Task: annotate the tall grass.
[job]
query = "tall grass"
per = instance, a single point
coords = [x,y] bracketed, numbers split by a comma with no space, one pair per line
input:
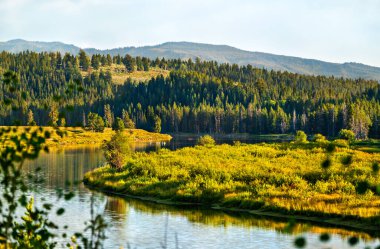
[77,136]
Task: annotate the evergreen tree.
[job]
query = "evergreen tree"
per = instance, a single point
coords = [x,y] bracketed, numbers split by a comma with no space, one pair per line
[95,122]
[145,63]
[62,122]
[128,122]
[139,64]
[108,116]
[84,61]
[95,61]
[129,63]
[109,60]
[195,97]
[157,124]
[118,125]
[53,115]
[31,121]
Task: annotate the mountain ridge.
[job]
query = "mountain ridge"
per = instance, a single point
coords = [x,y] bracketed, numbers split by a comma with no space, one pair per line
[220,53]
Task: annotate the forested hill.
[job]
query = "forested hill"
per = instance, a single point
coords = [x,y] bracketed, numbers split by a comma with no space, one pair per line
[19,45]
[218,53]
[183,96]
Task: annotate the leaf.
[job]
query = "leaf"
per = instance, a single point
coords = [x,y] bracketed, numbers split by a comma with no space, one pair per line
[300,242]
[60,211]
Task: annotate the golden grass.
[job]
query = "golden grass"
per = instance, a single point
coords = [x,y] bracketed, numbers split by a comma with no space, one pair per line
[119,75]
[77,136]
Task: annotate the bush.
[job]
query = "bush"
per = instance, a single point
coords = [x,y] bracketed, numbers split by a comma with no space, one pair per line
[341,143]
[206,140]
[237,143]
[117,150]
[300,137]
[319,138]
[347,135]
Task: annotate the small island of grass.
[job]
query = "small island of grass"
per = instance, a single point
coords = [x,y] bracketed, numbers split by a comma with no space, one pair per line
[285,179]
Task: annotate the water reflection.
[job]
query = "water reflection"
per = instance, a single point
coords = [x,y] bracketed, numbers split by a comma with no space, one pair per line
[210,217]
[141,224]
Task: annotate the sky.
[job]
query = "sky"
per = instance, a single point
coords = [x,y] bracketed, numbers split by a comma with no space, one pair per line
[330,30]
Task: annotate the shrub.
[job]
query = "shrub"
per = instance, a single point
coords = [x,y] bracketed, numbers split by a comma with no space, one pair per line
[347,160]
[117,150]
[341,143]
[319,138]
[347,135]
[300,137]
[206,140]
[331,147]
[237,143]
[375,167]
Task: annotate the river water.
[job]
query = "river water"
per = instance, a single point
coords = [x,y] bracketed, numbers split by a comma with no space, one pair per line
[141,224]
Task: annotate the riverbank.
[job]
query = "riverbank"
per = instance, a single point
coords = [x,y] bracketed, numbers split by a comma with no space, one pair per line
[337,225]
[282,179]
[77,136]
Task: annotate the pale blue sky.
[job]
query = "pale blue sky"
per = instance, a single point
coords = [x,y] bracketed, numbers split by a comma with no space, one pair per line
[331,30]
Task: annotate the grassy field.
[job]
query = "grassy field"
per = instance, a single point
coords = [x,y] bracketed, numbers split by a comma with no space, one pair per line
[262,178]
[77,136]
[119,75]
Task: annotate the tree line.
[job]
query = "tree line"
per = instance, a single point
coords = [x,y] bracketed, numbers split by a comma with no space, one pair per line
[197,96]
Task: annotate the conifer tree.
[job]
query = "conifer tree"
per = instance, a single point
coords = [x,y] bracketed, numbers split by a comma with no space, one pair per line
[129,63]
[31,121]
[108,116]
[84,61]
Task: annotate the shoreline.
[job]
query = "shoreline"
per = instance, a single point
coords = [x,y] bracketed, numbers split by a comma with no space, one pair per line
[80,137]
[369,228]
[278,180]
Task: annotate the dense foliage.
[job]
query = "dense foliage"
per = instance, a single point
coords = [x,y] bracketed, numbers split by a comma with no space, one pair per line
[206,140]
[195,97]
[117,150]
[34,229]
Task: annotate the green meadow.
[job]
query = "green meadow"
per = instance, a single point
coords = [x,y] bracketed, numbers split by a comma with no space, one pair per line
[307,180]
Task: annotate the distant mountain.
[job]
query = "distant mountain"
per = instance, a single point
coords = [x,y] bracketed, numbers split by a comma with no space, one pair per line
[219,53]
[19,45]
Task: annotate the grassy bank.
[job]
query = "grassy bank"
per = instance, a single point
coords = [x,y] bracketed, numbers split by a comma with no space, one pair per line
[76,136]
[273,178]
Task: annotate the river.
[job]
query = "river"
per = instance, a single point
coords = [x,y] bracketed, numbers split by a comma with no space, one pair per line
[140,224]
